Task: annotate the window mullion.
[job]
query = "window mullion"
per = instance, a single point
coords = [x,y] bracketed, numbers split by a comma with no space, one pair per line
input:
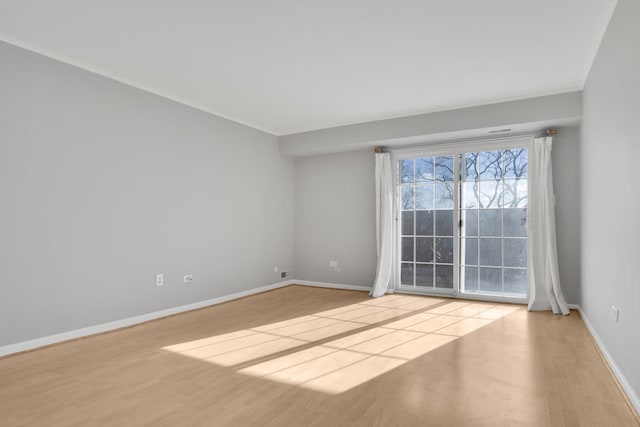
[456,224]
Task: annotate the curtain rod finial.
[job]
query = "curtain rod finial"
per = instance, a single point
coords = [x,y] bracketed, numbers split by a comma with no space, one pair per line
[550,132]
[378,150]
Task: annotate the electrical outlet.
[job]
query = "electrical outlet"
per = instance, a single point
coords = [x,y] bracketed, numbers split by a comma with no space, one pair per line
[159,280]
[615,313]
[333,264]
[275,269]
[187,278]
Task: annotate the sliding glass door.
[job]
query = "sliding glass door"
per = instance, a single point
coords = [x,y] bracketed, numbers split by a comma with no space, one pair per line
[462,221]
[427,199]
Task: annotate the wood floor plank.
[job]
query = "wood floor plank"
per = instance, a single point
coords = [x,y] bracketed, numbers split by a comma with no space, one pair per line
[303,356]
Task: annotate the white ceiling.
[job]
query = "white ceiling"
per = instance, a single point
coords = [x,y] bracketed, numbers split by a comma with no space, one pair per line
[286,66]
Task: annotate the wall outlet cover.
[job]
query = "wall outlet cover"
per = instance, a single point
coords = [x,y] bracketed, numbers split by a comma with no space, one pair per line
[615,313]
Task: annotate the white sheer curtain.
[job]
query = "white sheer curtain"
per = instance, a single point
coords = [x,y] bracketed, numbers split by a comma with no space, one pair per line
[384,223]
[545,292]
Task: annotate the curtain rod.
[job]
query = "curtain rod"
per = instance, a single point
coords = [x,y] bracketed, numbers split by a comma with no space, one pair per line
[546,132]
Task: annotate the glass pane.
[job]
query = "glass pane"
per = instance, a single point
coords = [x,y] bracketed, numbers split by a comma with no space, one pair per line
[471,251]
[406,274]
[424,196]
[407,170]
[407,222]
[444,195]
[470,279]
[444,168]
[424,249]
[490,252]
[515,281]
[407,198]
[470,222]
[490,194]
[515,252]
[515,193]
[424,223]
[424,169]
[444,276]
[515,222]
[493,196]
[490,165]
[407,249]
[490,279]
[444,223]
[444,250]
[471,194]
[490,222]
[471,167]
[424,275]
[515,163]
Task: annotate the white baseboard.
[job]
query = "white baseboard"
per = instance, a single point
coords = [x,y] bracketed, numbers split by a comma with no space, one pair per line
[622,380]
[330,285]
[123,323]
[117,324]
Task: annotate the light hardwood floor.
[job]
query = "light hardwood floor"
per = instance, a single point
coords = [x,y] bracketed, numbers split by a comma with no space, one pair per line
[302,356]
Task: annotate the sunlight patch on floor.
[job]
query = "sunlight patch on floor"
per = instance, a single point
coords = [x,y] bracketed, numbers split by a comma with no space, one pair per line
[335,350]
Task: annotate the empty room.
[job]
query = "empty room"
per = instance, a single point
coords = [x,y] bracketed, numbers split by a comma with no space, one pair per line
[319,213]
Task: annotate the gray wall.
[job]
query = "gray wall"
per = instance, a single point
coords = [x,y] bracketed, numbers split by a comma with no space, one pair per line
[520,116]
[103,186]
[565,157]
[335,218]
[610,150]
[335,215]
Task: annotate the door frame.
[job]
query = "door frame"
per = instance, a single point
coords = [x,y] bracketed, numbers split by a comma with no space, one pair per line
[455,149]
